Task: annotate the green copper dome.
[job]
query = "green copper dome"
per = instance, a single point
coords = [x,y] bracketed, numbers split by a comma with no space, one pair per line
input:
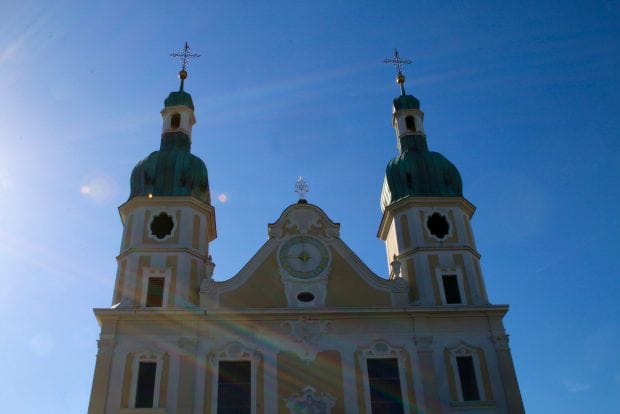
[418,172]
[179,98]
[406,102]
[171,171]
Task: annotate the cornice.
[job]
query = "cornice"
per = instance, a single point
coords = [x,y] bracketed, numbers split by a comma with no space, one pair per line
[394,208]
[147,250]
[288,313]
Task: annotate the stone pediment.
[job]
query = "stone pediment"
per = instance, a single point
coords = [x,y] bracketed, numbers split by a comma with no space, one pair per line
[304,265]
[305,219]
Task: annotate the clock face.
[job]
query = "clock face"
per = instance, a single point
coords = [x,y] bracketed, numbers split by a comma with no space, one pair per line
[303,257]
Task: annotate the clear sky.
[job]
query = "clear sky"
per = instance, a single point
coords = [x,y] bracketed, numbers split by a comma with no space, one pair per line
[523,97]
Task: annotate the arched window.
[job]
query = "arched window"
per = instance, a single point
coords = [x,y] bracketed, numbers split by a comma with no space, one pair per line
[410,123]
[175,121]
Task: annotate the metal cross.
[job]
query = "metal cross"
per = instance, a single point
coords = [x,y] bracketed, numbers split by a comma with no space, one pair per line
[301,188]
[397,61]
[184,56]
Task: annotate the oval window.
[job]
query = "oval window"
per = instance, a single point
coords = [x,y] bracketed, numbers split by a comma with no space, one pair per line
[305,297]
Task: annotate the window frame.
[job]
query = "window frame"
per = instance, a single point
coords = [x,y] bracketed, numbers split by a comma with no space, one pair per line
[465,350]
[440,272]
[234,351]
[154,272]
[146,355]
[382,349]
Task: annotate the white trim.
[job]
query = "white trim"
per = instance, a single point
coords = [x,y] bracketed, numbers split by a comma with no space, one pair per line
[234,351]
[148,272]
[156,213]
[145,355]
[381,349]
[440,272]
[464,350]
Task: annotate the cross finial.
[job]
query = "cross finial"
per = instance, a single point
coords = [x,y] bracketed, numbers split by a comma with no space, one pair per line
[398,62]
[184,56]
[301,188]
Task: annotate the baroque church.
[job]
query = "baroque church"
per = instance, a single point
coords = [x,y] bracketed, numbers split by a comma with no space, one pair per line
[305,326]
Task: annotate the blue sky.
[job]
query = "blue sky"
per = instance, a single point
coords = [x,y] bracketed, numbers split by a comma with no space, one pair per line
[522,97]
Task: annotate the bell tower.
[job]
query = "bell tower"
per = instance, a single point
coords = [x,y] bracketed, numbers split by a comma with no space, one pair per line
[168,223]
[426,220]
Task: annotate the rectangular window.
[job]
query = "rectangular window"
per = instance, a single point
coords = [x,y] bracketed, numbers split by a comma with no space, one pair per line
[384,382]
[451,288]
[234,388]
[467,375]
[145,387]
[155,292]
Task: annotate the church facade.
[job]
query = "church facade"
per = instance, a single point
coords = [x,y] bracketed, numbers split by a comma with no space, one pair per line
[305,326]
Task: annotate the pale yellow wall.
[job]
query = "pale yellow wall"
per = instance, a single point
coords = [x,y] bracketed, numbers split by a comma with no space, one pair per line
[263,289]
[347,289]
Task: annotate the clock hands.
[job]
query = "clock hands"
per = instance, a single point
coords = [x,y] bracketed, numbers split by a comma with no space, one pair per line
[303,256]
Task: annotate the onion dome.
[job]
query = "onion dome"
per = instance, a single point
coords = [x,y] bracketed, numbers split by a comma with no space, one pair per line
[406,102]
[179,98]
[171,171]
[418,172]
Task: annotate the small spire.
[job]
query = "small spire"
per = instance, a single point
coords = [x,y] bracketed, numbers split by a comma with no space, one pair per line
[398,62]
[184,56]
[301,188]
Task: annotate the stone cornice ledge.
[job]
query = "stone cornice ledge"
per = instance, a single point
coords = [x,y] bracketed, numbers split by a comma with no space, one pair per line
[278,313]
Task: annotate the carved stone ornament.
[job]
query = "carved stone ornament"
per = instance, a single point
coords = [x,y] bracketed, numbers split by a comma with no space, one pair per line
[500,341]
[423,343]
[305,333]
[209,268]
[304,219]
[400,285]
[235,351]
[310,402]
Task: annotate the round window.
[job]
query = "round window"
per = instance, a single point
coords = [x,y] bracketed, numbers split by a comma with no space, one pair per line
[162,225]
[438,225]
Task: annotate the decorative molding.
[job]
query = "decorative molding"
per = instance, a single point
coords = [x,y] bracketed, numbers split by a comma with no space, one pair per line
[501,341]
[310,401]
[400,285]
[234,351]
[294,286]
[304,219]
[400,292]
[305,333]
[105,346]
[423,343]
[460,350]
[382,349]
[146,355]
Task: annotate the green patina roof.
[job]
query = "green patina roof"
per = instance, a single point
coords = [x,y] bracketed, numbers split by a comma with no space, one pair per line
[418,172]
[406,102]
[171,171]
[179,98]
